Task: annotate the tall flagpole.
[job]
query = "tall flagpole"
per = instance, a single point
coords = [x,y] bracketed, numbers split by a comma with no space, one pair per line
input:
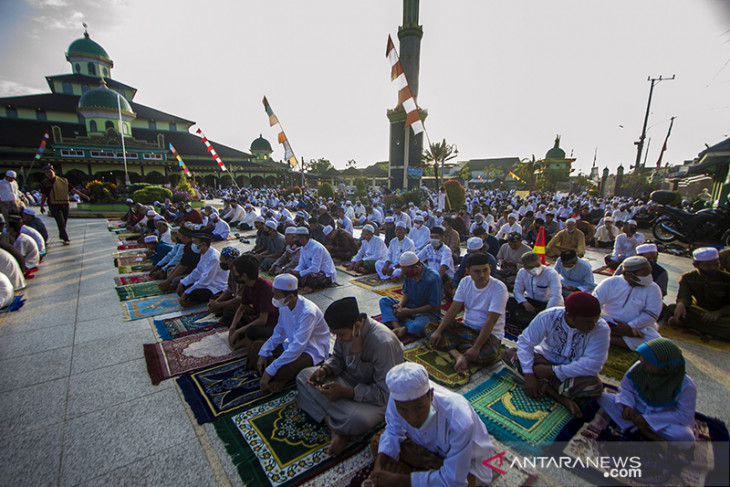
[121,134]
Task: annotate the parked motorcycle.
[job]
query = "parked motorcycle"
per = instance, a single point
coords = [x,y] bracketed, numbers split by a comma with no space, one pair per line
[709,225]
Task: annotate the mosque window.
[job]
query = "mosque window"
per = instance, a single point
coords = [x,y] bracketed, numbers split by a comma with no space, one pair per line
[67,88]
[125,128]
[84,88]
[153,125]
[92,69]
[109,125]
[40,114]
[92,126]
[106,72]
[72,153]
[12,112]
[173,127]
[77,67]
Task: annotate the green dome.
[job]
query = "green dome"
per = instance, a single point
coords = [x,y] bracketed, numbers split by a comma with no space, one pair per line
[556,152]
[104,98]
[261,145]
[86,47]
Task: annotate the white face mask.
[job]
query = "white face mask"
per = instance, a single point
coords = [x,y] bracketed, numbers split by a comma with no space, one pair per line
[436,243]
[645,280]
[278,303]
[431,414]
[536,271]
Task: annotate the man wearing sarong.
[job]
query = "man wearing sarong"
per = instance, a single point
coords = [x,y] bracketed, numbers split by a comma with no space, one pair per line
[372,249]
[315,268]
[388,267]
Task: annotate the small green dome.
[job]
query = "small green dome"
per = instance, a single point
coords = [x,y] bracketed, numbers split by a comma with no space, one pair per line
[556,152]
[104,98]
[261,145]
[86,47]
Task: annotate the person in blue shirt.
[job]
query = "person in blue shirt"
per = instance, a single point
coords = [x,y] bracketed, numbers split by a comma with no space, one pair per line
[575,274]
[156,251]
[474,245]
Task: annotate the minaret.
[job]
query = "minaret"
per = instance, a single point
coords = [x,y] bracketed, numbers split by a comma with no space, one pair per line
[405,148]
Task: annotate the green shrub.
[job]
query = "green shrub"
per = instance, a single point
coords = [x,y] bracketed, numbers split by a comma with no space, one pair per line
[363,195]
[456,194]
[414,196]
[325,190]
[361,184]
[292,190]
[392,200]
[150,194]
[101,192]
[134,187]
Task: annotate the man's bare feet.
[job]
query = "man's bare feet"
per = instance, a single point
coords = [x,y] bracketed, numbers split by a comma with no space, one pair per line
[337,444]
[462,364]
[400,331]
[570,405]
[307,290]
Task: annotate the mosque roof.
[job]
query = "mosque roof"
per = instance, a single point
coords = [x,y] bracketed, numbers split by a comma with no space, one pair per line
[556,152]
[261,144]
[82,79]
[86,47]
[103,98]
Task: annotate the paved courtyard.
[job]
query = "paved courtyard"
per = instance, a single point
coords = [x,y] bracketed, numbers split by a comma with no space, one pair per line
[77,406]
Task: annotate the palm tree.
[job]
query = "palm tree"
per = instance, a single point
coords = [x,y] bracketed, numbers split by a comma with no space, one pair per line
[439,152]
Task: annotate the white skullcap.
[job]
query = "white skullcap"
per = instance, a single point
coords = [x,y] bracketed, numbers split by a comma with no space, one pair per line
[10,174]
[408,258]
[608,219]
[632,222]
[706,254]
[150,239]
[410,203]
[271,224]
[327,230]
[29,211]
[418,218]
[390,219]
[361,219]
[302,231]
[159,217]
[478,215]
[285,282]
[130,200]
[322,207]
[407,381]
[474,243]
[401,225]
[513,215]
[648,247]
[570,220]
[290,230]
[259,219]
[368,228]
[348,203]
[151,213]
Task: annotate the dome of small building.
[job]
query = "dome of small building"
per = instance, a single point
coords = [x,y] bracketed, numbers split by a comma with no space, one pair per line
[261,145]
[103,98]
[556,152]
[87,48]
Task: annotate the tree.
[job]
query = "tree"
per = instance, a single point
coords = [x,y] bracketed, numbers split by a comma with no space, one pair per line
[352,163]
[439,153]
[318,166]
[526,171]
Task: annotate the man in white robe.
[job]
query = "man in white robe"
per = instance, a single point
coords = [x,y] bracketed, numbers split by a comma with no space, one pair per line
[389,267]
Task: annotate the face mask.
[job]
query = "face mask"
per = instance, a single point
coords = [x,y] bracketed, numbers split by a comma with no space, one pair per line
[536,271]
[431,414]
[225,266]
[278,303]
[436,243]
[188,210]
[194,248]
[644,280]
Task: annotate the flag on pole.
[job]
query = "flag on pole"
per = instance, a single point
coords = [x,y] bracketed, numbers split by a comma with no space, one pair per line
[42,147]
[405,97]
[212,151]
[179,160]
[539,247]
[664,147]
[274,122]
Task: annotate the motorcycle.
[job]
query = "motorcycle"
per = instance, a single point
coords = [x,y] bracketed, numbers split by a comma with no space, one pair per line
[710,224]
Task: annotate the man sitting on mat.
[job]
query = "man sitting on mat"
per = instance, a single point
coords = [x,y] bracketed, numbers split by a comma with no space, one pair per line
[301,337]
[290,258]
[421,301]
[340,244]
[438,257]
[388,267]
[348,390]
[432,436]
[372,249]
[227,302]
[537,287]
[207,279]
[315,268]
[169,261]
[484,299]
[562,351]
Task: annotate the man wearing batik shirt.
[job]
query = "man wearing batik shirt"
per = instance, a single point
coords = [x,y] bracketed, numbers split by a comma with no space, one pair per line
[438,257]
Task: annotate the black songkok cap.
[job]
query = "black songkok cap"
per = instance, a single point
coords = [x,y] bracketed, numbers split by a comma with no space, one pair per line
[342,313]
[206,237]
[568,256]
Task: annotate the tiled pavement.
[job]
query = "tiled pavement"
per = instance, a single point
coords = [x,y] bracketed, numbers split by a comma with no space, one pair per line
[77,406]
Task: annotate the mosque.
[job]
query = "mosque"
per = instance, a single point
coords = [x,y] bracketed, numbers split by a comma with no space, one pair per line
[84,115]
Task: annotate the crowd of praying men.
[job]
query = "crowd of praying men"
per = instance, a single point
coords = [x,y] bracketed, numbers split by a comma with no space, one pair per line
[432,435]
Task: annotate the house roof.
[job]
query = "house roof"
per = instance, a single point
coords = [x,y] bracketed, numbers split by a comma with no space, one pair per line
[91,81]
[482,164]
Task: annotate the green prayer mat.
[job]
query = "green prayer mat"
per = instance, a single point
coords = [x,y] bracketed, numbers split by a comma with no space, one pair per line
[368,281]
[619,361]
[440,366]
[276,443]
[136,309]
[129,269]
[141,290]
[515,419]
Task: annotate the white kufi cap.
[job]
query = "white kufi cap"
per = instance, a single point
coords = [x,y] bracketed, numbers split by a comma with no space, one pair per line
[408,258]
[645,248]
[327,230]
[285,282]
[706,254]
[474,243]
[407,381]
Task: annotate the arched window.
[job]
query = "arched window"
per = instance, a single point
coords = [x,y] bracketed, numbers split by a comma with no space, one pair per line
[84,88]
[106,72]
[153,125]
[109,124]
[77,66]
[173,127]
[92,69]
[12,112]
[40,114]
[92,126]
[67,88]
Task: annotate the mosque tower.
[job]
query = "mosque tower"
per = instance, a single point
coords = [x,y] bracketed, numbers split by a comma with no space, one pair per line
[405,148]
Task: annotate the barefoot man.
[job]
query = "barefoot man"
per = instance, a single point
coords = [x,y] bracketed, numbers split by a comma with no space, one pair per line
[562,351]
[348,391]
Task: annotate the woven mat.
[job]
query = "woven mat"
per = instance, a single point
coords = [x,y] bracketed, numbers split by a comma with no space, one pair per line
[369,281]
[130,245]
[276,443]
[513,418]
[156,305]
[391,292]
[126,236]
[132,279]
[440,366]
[140,290]
[619,361]
[174,357]
[184,324]
[347,271]
[131,260]
[127,253]
[682,334]
[129,269]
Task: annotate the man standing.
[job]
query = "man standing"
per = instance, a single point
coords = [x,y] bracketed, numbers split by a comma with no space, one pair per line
[55,190]
[10,196]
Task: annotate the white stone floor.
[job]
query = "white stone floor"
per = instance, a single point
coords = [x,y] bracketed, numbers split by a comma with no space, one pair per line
[77,406]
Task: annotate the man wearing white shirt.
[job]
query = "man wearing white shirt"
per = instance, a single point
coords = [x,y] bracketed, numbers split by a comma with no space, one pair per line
[372,249]
[221,230]
[235,214]
[562,351]
[10,196]
[484,299]
[401,216]
[420,233]
[301,337]
[510,227]
[248,218]
[315,268]
[537,287]
[37,238]
[23,244]
[207,279]
[625,245]
[479,222]
[389,267]
[349,211]
[632,304]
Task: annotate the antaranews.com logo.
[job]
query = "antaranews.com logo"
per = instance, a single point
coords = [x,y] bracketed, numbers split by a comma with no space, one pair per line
[621,467]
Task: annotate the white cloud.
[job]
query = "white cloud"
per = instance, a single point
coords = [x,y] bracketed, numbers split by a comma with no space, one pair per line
[70,21]
[13,88]
[47,3]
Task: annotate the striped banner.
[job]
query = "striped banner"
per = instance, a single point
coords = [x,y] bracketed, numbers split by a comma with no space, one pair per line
[180,161]
[274,122]
[405,97]
[42,147]
[212,151]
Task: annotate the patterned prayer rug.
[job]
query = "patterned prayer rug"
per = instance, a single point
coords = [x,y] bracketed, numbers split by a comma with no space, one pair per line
[391,292]
[141,290]
[127,253]
[173,357]
[344,269]
[132,279]
[619,361]
[129,269]
[126,236]
[185,324]
[368,281]
[440,366]
[131,244]
[131,260]
[604,271]
[405,339]
[512,330]
[513,418]
[684,335]
[276,443]
[17,303]
[156,305]
[704,464]
[221,389]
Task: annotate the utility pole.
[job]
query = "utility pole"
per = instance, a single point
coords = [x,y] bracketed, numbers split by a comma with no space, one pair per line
[640,143]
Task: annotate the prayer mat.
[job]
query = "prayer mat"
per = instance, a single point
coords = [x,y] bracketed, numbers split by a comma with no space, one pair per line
[512,330]
[221,389]
[276,443]
[368,281]
[14,305]
[186,324]
[127,253]
[684,335]
[130,245]
[347,271]
[141,290]
[513,418]
[704,464]
[440,366]
[125,236]
[131,260]
[619,361]
[174,357]
[351,472]
[391,292]
[129,269]
[136,309]
[132,279]
[604,271]
[405,339]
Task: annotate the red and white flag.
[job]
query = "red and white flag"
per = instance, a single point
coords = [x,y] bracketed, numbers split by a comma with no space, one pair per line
[212,151]
[405,97]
